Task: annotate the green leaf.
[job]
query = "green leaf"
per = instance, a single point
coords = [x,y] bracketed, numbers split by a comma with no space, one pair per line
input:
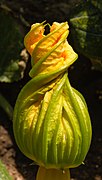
[97,4]
[11,44]
[4,175]
[6,106]
[86,32]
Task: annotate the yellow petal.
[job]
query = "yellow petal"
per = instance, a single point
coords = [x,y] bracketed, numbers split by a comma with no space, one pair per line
[33,36]
[51,52]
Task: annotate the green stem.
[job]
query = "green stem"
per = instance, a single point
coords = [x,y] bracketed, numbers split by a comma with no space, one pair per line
[6,106]
[50,174]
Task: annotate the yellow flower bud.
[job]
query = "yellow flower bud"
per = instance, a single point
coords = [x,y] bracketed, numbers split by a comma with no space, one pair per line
[51,120]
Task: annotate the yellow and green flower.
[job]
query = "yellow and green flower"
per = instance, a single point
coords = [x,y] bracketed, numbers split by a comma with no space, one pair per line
[51,120]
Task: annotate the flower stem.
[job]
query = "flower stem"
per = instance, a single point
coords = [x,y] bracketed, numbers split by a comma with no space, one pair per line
[6,106]
[50,174]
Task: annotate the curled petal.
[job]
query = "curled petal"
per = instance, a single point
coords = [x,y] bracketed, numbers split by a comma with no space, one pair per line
[34,35]
[49,52]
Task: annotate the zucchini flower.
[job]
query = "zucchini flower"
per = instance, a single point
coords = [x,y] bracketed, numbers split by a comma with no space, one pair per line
[51,120]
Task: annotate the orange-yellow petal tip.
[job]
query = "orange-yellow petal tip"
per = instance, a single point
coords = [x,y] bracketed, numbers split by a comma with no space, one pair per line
[33,36]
